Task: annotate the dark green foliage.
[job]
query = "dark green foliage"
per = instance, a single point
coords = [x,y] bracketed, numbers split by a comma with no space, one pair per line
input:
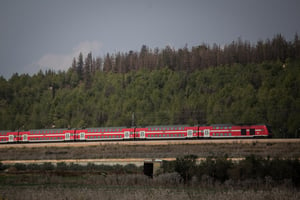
[3,167]
[252,168]
[186,167]
[20,166]
[203,85]
[218,169]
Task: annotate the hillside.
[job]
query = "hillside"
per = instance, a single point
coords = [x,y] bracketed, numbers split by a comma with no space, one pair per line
[248,88]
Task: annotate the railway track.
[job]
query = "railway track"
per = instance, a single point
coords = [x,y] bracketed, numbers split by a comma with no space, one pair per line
[152,142]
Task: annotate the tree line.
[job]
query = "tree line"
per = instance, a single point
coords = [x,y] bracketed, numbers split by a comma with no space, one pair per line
[91,95]
[185,59]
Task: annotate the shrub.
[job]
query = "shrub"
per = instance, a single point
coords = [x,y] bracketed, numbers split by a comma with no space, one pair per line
[47,166]
[186,167]
[62,166]
[20,166]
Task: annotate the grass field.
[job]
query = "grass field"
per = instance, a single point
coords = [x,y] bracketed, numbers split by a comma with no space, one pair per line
[38,187]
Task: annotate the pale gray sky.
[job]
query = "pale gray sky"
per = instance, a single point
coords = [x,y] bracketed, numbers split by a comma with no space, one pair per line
[47,34]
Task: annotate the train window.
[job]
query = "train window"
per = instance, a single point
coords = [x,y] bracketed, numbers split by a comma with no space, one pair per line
[252,131]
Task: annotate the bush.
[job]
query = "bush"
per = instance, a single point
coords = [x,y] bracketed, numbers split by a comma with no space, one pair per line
[3,167]
[47,166]
[20,166]
[186,167]
[61,166]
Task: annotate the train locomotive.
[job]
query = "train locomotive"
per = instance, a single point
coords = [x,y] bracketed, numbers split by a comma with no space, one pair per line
[169,132]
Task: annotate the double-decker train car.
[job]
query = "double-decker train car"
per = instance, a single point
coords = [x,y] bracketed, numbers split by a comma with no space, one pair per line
[47,135]
[9,136]
[234,131]
[167,132]
[104,133]
[137,133]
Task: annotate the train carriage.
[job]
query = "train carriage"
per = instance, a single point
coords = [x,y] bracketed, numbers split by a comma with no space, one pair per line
[47,135]
[166,132]
[8,136]
[234,131]
[105,133]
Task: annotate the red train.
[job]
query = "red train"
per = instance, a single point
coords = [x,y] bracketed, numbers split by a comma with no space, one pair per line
[136,133]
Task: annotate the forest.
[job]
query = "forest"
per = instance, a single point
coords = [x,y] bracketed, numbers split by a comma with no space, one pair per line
[237,83]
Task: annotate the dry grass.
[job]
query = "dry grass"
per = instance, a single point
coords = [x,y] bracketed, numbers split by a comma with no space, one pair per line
[137,186]
[143,193]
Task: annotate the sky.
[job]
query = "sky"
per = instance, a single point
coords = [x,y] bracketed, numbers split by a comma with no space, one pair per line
[47,34]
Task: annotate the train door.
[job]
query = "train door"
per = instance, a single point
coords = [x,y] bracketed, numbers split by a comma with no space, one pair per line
[25,138]
[206,133]
[126,135]
[142,134]
[82,136]
[190,133]
[252,131]
[11,138]
[243,131]
[67,136]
